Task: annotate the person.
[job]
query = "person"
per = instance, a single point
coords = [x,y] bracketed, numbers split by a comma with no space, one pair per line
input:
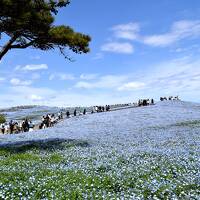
[23,126]
[17,130]
[11,126]
[3,128]
[176,98]
[107,107]
[144,102]
[6,127]
[84,111]
[19,126]
[152,101]
[61,115]
[41,126]
[68,114]
[99,109]
[47,121]
[43,118]
[74,112]
[31,126]
[26,125]
[52,120]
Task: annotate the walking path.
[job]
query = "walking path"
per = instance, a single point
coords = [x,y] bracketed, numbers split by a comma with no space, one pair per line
[113,108]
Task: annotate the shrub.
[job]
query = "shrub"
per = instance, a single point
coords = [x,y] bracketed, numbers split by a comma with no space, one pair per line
[2,119]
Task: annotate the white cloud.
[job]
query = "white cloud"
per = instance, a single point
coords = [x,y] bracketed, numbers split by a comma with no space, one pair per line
[131,86]
[16,82]
[131,31]
[85,85]
[118,47]
[32,67]
[35,97]
[179,30]
[61,76]
[88,76]
[106,82]
[160,40]
[126,31]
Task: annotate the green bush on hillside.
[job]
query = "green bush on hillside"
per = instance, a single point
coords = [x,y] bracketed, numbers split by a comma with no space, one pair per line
[2,119]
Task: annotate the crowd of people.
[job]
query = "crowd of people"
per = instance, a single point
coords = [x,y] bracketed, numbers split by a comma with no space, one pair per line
[145,102]
[47,121]
[51,119]
[170,98]
[101,108]
[17,127]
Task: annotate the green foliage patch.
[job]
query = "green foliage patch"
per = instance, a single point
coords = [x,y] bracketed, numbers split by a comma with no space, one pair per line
[45,174]
[2,119]
[193,123]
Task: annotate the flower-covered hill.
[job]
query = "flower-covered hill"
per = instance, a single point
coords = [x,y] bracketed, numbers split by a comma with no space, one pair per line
[137,122]
[139,153]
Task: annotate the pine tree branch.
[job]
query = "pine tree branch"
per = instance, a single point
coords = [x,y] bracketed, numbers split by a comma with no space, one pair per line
[7,46]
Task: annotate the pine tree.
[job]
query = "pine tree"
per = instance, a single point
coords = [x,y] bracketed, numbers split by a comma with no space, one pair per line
[30,23]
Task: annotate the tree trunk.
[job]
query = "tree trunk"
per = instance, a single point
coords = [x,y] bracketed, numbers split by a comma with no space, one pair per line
[7,46]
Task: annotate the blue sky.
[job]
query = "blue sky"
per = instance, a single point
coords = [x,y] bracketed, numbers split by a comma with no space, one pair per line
[139,49]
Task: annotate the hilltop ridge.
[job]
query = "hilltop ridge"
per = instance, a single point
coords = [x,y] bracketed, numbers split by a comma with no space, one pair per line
[121,122]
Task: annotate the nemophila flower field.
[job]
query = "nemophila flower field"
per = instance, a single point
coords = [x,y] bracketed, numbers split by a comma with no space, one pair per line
[139,153]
